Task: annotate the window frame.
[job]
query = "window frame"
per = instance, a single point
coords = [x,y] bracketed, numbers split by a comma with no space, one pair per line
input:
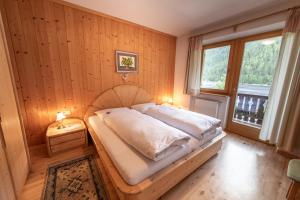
[225,91]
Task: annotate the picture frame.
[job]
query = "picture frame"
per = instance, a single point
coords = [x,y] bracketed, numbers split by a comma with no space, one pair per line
[126,62]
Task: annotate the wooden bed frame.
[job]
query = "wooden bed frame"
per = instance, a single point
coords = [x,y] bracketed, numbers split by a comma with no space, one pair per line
[156,185]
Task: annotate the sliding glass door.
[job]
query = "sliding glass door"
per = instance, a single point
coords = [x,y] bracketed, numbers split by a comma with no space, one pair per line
[256,59]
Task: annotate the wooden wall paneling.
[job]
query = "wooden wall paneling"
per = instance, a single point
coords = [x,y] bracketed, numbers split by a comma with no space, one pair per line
[135,39]
[111,43]
[158,89]
[166,81]
[141,55]
[100,52]
[45,64]
[116,43]
[162,65]
[92,60]
[101,33]
[159,66]
[142,61]
[107,64]
[166,70]
[63,80]
[72,26]
[23,65]
[129,46]
[165,64]
[170,53]
[81,67]
[172,50]
[96,55]
[151,65]
[34,77]
[146,62]
[149,61]
[155,67]
[64,56]
[53,49]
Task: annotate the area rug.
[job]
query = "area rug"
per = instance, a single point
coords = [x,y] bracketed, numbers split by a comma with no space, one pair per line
[76,179]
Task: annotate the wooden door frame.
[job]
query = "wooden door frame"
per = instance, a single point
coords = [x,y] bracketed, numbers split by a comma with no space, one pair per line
[236,127]
[11,185]
[11,61]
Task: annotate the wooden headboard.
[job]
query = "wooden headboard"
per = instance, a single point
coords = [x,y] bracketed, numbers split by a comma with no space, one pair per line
[119,96]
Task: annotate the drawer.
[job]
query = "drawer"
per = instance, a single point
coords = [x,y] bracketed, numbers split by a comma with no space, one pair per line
[66,138]
[68,145]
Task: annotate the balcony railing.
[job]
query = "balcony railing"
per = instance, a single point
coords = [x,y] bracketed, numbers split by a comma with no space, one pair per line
[250,109]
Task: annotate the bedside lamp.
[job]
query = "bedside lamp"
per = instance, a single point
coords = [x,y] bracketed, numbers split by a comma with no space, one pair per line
[59,118]
[167,100]
[170,100]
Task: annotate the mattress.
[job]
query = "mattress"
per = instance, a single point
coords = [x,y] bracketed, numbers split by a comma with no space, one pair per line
[132,165]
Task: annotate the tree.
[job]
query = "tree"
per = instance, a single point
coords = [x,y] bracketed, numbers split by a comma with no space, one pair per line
[258,66]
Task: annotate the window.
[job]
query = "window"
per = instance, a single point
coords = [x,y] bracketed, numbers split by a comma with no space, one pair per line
[214,67]
[254,62]
[255,79]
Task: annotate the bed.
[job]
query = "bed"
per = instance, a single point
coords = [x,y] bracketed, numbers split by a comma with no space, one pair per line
[144,179]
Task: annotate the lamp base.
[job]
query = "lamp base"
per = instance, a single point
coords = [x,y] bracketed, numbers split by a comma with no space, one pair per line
[61,126]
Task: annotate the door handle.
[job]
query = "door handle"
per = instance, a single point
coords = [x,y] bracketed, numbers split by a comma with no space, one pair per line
[2,139]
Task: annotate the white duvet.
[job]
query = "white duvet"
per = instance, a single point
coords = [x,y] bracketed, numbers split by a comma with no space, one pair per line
[190,122]
[149,136]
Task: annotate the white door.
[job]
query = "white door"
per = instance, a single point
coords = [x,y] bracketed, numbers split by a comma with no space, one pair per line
[12,131]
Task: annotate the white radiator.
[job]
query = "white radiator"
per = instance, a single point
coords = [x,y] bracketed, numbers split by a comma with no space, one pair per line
[211,105]
[207,107]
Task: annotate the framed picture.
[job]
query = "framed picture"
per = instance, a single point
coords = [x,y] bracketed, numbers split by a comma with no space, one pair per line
[126,62]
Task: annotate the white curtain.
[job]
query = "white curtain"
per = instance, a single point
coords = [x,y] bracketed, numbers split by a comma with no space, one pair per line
[284,87]
[193,68]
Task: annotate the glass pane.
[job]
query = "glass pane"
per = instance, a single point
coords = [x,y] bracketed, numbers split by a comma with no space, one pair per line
[256,76]
[215,67]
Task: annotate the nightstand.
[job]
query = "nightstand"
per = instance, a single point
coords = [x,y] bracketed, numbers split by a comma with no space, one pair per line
[74,134]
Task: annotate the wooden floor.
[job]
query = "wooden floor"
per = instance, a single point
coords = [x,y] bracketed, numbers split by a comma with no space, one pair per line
[244,169]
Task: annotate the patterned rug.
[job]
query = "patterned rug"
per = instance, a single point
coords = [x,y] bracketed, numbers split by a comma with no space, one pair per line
[77,179]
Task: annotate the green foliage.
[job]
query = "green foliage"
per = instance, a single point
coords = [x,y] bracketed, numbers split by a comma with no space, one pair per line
[259,62]
[215,66]
[127,61]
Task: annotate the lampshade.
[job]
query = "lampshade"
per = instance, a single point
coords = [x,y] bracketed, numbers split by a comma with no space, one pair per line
[167,99]
[170,100]
[60,116]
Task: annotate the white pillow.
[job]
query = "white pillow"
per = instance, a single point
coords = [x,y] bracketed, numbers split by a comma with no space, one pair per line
[101,113]
[143,107]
